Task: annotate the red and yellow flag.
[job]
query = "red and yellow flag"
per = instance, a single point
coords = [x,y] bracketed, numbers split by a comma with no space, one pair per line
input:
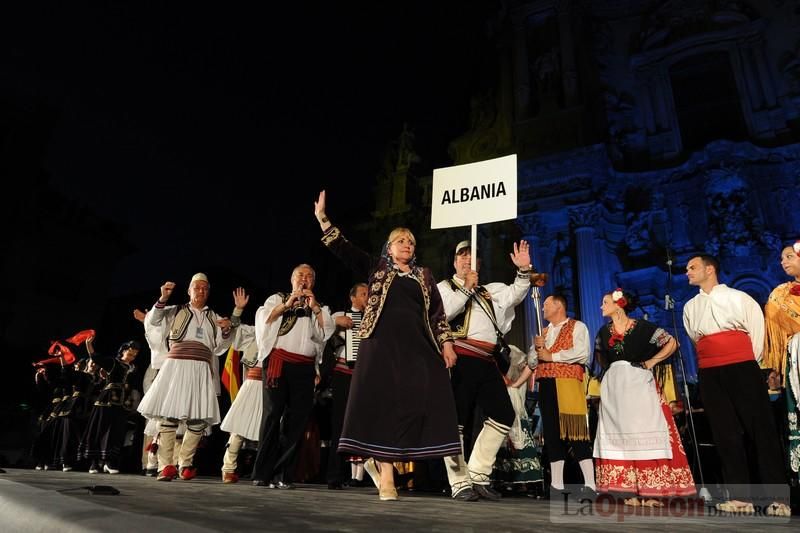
[232,373]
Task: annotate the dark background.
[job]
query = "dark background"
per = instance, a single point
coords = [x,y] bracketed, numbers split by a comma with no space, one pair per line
[196,137]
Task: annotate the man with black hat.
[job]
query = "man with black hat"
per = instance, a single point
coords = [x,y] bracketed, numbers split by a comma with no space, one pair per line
[478,314]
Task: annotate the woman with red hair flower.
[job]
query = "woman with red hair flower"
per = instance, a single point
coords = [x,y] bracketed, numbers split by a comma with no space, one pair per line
[638,451]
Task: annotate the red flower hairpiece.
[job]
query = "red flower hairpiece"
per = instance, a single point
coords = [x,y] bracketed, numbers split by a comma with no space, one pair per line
[796,247]
[618,298]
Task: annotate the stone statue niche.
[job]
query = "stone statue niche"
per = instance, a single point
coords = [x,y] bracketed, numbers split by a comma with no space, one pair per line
[646,226]
[735,229]
[547,94]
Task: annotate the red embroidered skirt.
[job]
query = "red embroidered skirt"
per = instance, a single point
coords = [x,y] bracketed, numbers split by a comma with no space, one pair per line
[651,478]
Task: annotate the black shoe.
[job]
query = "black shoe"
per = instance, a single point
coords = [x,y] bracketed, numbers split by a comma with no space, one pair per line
[334,485]
[281,485]
[487,492]
[261,483]
[586,493]
[466,495]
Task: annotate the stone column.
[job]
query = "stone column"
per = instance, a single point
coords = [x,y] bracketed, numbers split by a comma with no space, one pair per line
[584,219]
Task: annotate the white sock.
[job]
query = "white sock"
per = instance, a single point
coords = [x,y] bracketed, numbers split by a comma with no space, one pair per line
[557,475]
[587,467]
[359,476]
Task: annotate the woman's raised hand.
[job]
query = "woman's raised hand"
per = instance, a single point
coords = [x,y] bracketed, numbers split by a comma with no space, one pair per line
[319,207]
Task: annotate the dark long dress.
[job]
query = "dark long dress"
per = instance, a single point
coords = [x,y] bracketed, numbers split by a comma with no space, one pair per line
[46,445]
[105,430]
[74,412]
[401,405]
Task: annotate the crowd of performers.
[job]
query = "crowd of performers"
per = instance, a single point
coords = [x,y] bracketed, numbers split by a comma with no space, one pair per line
[428,367]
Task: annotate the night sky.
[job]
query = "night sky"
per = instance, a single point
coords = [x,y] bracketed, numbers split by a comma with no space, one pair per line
[237,116]
[188,124]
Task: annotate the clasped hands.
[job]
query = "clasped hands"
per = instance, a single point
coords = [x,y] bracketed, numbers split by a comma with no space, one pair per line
[541,351]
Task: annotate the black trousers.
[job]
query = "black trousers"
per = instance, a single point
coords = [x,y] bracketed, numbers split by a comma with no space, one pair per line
[291,400]
[557,447]
[737,407]
[478,383]
[340,383]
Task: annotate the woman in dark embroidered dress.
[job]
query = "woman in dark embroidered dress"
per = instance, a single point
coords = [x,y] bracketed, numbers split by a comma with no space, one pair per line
[105,431]
[401,405]
[638,450]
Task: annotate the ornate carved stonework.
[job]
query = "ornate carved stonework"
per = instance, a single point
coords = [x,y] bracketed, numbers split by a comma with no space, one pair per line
[585,216]
[530,225]
[678,19]
[734,226]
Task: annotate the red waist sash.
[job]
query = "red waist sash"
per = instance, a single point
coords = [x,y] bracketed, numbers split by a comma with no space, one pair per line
[474,348]
[724,348]
[190,350]
[279,356]
[342,368]
[254,373]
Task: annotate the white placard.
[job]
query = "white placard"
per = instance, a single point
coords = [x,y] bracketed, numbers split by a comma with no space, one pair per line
[476,193]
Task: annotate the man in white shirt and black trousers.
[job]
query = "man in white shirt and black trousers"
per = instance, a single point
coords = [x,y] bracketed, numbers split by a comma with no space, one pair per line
[475,314]
[291,332]
[727,328]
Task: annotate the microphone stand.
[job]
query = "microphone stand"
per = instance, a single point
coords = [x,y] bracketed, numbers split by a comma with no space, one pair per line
[669,305]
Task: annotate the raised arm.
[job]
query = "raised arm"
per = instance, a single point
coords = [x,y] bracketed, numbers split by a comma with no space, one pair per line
[356,259]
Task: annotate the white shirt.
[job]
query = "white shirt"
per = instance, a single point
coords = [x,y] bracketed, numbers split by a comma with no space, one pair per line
[199,329]
[579,353]
[504,299]
[164,316]
[307,337]
[156,336]
[725,309]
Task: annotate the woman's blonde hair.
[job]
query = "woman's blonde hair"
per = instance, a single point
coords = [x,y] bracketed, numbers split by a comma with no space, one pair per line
[397,232]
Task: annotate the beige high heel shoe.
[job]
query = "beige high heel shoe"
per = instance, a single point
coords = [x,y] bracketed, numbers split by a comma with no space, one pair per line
[389,494]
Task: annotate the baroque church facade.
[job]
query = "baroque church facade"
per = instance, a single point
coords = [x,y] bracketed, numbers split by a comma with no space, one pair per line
[646,132]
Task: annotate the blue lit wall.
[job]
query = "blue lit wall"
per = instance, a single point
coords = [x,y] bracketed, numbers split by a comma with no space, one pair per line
[594,228]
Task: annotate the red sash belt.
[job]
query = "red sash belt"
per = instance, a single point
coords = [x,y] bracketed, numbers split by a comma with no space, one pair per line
[277,357]
[475,348]
[547,369]
[724,348]
[191,350]
[254,373]
[342,368]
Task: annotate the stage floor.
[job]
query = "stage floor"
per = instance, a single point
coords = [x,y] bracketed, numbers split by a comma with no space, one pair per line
[33,501]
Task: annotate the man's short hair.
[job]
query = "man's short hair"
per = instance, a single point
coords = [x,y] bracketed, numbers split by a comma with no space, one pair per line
[560,298]
[354,289]
[708,260]
[305,265]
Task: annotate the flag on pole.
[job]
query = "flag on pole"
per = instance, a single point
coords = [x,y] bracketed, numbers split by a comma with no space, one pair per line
[232,373]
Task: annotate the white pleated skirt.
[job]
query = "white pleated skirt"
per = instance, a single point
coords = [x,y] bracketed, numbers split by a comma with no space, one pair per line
[631,424]
[244,416]
[183,390]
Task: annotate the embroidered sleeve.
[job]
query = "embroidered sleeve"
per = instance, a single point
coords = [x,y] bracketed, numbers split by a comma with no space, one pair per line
[356,259]
[436,315]
[660,337]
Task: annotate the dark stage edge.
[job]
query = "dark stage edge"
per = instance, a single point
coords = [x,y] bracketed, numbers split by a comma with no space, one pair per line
[30,502]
